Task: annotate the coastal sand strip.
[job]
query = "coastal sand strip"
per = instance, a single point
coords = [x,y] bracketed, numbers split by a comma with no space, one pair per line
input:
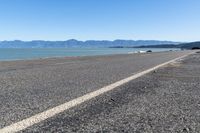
[25,123]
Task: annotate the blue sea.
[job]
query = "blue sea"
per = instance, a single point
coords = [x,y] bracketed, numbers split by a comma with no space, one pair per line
[34,53]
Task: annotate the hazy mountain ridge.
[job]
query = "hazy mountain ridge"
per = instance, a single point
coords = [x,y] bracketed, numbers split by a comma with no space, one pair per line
[75,43]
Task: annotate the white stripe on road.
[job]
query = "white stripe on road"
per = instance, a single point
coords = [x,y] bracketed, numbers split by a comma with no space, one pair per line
[21,125]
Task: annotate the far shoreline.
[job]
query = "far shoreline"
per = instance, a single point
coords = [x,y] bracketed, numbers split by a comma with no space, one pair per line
[84,56]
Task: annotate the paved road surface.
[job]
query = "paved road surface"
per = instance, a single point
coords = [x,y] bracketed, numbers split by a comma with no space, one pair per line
[164,101]
[30,87]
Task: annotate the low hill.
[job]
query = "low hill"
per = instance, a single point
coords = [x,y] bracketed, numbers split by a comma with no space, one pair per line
[191,45]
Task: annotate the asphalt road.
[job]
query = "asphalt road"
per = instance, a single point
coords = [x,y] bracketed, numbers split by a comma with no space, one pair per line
[30,87]
[164,101]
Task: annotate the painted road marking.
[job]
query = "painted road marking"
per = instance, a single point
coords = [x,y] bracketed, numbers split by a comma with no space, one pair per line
[21,125]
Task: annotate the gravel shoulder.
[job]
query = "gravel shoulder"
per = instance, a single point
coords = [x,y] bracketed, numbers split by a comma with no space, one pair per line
[164,101]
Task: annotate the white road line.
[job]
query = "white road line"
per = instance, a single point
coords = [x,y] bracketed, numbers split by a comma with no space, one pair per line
[21,125]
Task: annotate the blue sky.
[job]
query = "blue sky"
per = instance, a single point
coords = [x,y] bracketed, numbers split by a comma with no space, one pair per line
[176,20]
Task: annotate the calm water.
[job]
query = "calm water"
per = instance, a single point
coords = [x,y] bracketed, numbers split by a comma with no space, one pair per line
[19,54]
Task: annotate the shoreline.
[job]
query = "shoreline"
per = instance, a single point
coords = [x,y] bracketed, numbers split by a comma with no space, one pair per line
[37,54]
[84,56]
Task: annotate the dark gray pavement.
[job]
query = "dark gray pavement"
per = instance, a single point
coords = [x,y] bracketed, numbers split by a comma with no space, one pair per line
[30,87]
[164,101]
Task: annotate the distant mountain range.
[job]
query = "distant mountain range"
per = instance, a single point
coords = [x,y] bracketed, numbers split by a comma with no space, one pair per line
[79,44]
